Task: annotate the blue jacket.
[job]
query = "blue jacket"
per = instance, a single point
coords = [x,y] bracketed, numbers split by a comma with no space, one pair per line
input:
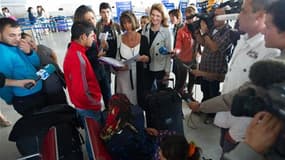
[15,64]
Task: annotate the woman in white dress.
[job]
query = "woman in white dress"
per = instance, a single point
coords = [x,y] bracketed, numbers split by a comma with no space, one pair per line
[129,78]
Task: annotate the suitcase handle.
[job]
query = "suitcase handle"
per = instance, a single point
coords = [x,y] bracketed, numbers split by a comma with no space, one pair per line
[168,79]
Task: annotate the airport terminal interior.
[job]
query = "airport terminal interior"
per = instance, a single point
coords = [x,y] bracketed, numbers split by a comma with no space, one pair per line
[204,135]
[54,31]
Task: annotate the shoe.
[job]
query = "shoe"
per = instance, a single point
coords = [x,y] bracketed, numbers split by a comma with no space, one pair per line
[5,123]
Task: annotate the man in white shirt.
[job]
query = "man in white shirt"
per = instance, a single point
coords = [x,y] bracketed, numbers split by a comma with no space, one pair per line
[250,49]
[265,128]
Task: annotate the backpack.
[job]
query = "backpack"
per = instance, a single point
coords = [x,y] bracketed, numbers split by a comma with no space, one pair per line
[55,82]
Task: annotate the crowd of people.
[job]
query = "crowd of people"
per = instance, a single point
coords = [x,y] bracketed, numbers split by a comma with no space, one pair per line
[88,80]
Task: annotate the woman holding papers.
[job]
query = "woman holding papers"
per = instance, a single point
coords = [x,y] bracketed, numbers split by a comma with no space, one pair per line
[133,50]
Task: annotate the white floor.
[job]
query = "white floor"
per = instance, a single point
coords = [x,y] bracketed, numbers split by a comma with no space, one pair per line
[205,136]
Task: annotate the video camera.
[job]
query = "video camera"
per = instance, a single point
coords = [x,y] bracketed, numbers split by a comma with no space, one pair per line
[207,17]
[250,101]
[266,94]
[231,6]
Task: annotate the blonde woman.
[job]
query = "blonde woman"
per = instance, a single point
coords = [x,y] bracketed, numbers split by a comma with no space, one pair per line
[158,35]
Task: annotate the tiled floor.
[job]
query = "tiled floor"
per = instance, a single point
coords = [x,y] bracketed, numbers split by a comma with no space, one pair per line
[205,136]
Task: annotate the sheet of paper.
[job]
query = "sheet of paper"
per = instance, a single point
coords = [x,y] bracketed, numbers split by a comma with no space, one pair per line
[131,60]
[112,61]
[103,36]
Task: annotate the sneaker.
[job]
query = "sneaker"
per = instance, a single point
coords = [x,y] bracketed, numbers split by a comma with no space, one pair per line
[5,123]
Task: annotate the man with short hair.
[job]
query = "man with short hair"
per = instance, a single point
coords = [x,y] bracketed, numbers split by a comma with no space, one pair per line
[264,128]
[107,29]
[19,61]
[81,81]
[107,25]
[80,78]
[216,40]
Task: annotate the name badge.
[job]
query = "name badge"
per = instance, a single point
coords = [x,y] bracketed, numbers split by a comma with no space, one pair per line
[252,54]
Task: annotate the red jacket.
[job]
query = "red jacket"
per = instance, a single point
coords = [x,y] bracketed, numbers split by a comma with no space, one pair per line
[82,84]
[184,42]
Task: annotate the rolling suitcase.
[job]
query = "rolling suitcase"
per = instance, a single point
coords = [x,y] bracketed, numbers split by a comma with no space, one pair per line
[50,133]
[97,145]
[164,110]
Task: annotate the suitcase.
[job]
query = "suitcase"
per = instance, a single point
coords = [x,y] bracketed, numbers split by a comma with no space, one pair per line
[49,149]
[49,134]
[98,148]
[164,110]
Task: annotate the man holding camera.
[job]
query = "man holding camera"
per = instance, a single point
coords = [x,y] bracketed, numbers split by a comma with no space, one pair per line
[213,66]
[265,127]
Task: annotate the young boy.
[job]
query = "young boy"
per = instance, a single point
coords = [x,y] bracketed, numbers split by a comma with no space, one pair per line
[81,81]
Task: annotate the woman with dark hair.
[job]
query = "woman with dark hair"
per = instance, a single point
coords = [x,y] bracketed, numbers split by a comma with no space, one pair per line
[130,79]
[124,133]
[176,147]
[6,13]
[31,16]
[41,12]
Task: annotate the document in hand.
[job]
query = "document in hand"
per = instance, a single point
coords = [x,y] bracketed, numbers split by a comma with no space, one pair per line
[117,63]
[112,61]
[131,60]
[103,36]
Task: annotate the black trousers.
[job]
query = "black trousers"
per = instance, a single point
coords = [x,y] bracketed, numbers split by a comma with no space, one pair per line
[210,89]
[26,105]
[180,71]
[156,79]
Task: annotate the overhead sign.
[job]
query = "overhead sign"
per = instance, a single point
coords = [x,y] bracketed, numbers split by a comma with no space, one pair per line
[182,7]
[123,6]
[169,6]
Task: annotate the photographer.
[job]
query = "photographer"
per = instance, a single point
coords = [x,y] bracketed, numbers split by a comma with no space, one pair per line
[213,65]
[274,38]
[264,127]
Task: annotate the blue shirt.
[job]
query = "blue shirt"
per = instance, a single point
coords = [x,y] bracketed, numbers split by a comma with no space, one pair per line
[15,64]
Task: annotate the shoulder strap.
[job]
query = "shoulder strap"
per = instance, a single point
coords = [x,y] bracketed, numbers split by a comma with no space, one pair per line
[119,41]
[145,29]
[117,26]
